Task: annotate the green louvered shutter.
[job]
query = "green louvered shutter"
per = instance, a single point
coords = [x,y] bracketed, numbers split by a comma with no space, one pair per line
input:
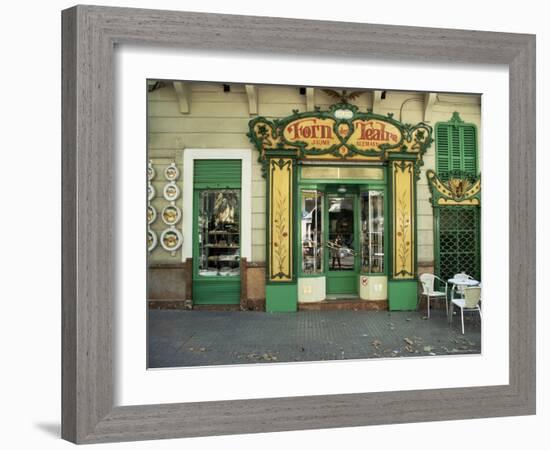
[217,173]
[443,145]
[469,150]
[456,149]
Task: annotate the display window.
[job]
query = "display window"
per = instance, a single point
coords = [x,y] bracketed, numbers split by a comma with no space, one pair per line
[372,231]
[312,231]
[219,232]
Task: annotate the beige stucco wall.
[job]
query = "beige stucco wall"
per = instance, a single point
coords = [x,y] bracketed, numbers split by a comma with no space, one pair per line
[219,119]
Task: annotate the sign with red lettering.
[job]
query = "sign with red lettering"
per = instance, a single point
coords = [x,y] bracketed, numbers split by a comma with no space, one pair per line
[316,133]
[371,134]
[341,132]
[321,134]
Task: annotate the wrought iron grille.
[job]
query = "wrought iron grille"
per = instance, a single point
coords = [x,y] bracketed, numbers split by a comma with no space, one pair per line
[458,242]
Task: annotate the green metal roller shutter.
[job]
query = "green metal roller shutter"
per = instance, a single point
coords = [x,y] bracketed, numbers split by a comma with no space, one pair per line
[217,173]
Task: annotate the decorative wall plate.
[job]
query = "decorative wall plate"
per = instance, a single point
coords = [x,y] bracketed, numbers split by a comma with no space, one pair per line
[150,171]
[150,191]
[171,239]
[171,173]
[171,215]
[171,191]
[152,240]
[151,214]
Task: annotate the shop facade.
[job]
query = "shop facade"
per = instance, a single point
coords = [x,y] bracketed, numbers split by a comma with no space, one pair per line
[284,199]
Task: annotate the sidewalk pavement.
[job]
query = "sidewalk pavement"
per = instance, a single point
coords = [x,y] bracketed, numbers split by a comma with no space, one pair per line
[180,338]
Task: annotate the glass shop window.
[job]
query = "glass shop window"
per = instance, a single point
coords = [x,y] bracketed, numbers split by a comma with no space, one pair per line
[341,232]
[312,231]
[372,231]
[219,232]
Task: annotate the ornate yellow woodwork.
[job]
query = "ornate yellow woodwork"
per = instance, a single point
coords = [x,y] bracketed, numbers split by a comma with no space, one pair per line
[403,185]
[458,190]
[280,219]
[341,133]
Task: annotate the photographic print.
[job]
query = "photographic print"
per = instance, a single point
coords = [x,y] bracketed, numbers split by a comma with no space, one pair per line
[258,271]
[306,223]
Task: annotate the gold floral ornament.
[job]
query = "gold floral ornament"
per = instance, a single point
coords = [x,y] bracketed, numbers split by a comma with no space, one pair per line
[281,223]
[459,190]
[281,232]
[403,224]
[458,187]
[403,216]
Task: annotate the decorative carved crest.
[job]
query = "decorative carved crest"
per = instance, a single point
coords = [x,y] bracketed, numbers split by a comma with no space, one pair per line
[344,96]
[458,190]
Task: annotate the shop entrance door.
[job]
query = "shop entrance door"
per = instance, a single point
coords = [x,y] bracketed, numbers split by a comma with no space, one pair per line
[342,242]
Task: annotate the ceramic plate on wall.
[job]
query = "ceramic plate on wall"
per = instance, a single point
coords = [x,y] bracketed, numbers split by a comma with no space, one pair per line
[150,171]
[171,215]
[150,191]
[171,173]
[171,191]
[171,239]
[152,240]
[151,214]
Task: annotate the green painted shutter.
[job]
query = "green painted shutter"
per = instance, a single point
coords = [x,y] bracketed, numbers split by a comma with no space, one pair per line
[217,173]
[443,145]
[469,150]
[456,149]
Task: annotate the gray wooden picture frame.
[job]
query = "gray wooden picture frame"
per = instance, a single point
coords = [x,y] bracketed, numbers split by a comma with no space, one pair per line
[89,34]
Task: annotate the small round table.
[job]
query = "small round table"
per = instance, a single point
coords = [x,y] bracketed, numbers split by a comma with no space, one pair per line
[461,282]
[466,282]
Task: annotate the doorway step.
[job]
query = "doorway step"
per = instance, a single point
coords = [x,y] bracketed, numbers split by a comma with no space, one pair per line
[345,304]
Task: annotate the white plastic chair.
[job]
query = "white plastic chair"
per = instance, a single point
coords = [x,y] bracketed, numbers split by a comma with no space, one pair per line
[470,302]
[459,288]
[427,282]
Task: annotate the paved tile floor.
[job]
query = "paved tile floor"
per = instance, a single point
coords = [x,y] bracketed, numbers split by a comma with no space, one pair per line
[201,338]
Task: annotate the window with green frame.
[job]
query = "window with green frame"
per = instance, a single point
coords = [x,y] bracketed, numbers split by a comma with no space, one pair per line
[457,229]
